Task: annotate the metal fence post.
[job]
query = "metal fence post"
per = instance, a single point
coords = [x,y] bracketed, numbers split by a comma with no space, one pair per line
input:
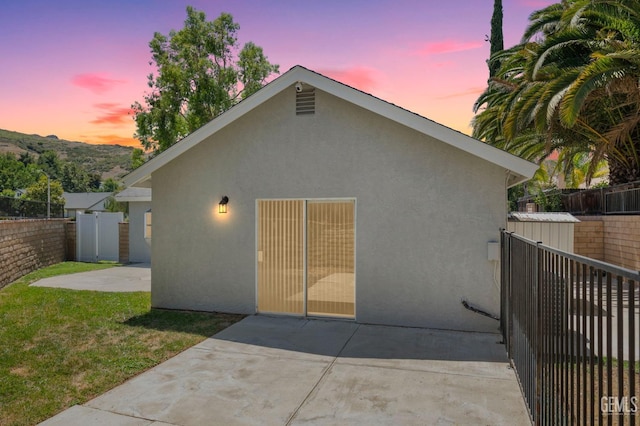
[538,330]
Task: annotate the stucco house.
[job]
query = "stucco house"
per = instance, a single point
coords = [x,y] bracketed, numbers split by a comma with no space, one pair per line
[313,198]
[139,200]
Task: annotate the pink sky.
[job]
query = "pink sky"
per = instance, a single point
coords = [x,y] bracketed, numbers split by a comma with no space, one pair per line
[74,67]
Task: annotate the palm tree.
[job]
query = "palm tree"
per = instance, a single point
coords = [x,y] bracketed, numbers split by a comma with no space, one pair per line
[572,86]
[581,170]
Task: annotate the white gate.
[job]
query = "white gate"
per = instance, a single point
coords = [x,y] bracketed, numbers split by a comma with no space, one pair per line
[97,236]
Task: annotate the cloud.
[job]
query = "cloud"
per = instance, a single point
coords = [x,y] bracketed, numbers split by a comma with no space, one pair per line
[447,46]
[113,114]
[470,91]
[96,82]
[362,78]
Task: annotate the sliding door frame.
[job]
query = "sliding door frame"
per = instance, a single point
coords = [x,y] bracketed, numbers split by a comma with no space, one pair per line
[304,255]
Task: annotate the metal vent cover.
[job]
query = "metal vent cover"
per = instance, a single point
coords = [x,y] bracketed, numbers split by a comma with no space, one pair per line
[305,100]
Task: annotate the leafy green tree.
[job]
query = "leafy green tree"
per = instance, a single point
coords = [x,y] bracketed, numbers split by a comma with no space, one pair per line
[110,185]
[200,73]
[95,182]
[38,191]
[74,178]
[137,158]
[14,174]
[26,158]
[571,86]
[50,163]
[513,195]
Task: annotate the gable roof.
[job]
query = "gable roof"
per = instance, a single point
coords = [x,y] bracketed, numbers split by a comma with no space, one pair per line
[519,170]
[84,200]
[133,194]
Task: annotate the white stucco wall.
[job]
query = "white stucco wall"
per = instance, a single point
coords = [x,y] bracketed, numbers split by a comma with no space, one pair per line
[139,248]
[425,212]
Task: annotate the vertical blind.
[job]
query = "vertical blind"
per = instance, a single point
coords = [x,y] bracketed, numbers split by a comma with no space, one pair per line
[330,258]
[318,251]
[281,256]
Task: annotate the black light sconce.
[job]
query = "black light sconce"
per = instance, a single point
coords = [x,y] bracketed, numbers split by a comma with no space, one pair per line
[222,205]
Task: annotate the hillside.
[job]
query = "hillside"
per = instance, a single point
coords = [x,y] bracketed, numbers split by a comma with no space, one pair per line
[107,160]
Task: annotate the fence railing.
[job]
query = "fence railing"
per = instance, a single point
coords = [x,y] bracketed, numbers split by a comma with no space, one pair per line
[627,201]
[571,328]
[19,208]
[619,199]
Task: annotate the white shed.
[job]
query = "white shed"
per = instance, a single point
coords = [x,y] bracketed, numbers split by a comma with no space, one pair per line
[552,229]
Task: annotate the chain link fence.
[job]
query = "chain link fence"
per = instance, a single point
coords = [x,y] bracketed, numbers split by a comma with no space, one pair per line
[18,208]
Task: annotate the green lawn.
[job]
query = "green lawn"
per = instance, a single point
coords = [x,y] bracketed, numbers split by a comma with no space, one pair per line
[63,347]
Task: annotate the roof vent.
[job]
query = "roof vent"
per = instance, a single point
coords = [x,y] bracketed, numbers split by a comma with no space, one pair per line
[305,99]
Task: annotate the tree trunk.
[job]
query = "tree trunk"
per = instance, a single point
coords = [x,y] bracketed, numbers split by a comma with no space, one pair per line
[624,171]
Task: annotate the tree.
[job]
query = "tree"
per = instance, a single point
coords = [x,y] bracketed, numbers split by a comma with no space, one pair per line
[95,181]
[26,158]
[14,174]
[110,185]
[74,178]
[50,163]
[38,191]
[137,158]
[200,73]
[497,39]
[570,86]
[579,172]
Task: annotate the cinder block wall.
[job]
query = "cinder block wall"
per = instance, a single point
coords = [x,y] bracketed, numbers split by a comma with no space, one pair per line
[622,241]
[588,237]
[123,242]
[613,239]
[26,245]
[70,240]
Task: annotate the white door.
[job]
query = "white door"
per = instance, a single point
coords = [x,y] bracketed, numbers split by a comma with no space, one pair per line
[97,236]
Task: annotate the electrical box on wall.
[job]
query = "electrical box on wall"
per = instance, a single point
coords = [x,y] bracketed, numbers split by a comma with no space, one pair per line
[493,251]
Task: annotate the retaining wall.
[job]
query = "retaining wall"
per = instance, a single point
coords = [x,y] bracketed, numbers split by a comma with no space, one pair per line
[27,245]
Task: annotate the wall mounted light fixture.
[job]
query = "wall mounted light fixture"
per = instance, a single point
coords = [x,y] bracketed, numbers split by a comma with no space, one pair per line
[222,205]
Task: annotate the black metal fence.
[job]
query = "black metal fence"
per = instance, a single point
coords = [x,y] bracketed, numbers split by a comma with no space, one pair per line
[619,199]
[571,328]
[16,207]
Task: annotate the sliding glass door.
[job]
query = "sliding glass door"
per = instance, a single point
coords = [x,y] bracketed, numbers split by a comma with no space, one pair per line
[330,258]
[281,256]
[306,257]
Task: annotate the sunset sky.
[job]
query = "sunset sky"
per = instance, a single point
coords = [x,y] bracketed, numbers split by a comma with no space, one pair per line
[74,67]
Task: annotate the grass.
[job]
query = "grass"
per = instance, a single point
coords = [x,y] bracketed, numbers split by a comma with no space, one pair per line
[63,347]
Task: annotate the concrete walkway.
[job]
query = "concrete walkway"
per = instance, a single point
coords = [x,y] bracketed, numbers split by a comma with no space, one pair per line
[286,371]
[134,277]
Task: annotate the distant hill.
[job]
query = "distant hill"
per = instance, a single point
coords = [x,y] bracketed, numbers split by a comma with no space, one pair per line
[107,160]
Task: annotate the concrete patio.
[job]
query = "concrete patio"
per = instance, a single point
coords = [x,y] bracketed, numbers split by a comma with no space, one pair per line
[133,277]
[289,371]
